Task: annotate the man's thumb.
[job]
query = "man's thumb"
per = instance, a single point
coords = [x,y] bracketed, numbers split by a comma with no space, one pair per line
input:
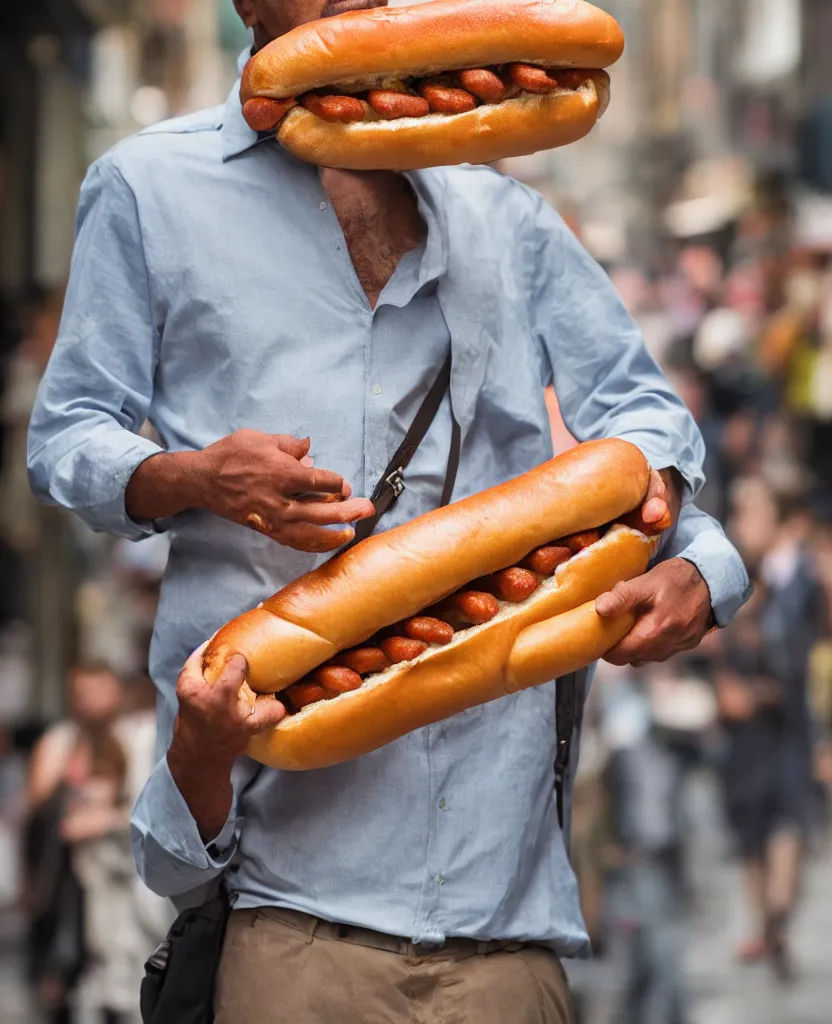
[268,713]
[622,598]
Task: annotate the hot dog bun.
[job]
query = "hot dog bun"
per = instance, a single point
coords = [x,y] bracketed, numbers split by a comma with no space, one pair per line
[411,571]
[397,48]
[553,632]
[396,574]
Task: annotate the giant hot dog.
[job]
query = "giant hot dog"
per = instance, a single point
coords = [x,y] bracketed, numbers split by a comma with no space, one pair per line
[447,82]
[487,596]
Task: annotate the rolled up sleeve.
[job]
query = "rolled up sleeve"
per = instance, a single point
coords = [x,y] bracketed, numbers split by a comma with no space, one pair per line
[169,852]
[606,382]
[700,540]
[96,393]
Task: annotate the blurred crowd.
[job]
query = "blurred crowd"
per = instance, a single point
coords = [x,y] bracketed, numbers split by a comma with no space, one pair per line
[741,320]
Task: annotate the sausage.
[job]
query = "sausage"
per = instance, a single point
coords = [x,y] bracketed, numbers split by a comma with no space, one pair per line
[444,99]
[578,541]
[262,114]
[402,648]
[303,693]
[343,109]
[363,660]
[532,79]
[392,104]
[336,679]
[546,559]
[432,631]
[485,85]
[514,584]
[477,606]
[571,79]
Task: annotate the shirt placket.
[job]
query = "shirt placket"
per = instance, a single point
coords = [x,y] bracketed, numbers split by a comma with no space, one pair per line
[437,867]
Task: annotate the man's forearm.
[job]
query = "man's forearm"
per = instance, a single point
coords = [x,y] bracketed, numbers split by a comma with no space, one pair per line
[206,788]
[165,485]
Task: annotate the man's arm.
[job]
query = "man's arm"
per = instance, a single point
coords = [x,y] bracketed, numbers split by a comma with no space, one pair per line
[608,386]
[184,827]
[606,382]
[85,452]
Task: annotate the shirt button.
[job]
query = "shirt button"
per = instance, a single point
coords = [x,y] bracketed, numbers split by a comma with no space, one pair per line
[376,389]
[439,880]
[443,804]
[323,206]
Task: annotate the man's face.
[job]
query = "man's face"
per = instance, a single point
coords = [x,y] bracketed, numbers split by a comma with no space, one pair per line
[272,18]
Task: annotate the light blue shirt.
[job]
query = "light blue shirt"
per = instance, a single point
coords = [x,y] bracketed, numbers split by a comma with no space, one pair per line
[211,290]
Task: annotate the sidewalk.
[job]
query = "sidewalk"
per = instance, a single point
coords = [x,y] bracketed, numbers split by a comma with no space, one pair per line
[725,993]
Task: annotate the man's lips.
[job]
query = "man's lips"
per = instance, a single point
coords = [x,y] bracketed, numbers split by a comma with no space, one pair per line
[335,7]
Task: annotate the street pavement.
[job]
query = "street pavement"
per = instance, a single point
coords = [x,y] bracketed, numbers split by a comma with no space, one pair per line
[721,992]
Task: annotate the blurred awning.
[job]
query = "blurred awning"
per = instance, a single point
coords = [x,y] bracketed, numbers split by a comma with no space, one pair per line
[41,17]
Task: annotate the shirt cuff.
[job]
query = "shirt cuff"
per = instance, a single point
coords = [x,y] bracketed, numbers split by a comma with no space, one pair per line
[111,516]
[723,571]
[162,813]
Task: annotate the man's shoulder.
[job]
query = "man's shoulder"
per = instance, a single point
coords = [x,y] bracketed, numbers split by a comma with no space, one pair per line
[490,193]
[478,180]
[179,138]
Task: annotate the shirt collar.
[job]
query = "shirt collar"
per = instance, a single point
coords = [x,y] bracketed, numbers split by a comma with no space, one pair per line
[434,260]
[236,135]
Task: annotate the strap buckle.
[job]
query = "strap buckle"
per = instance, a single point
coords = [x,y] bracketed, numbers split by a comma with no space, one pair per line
[395,482]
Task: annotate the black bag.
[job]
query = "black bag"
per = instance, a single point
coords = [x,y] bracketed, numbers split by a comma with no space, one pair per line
[178,986]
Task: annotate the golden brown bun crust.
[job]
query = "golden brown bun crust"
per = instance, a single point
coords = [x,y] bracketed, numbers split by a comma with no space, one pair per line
[399,573]
[554,632]
[515,127]
[425,38]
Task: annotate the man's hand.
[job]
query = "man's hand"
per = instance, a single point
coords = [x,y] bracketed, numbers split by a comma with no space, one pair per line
[214,726]
[265,476]
[263,481]
[673,604]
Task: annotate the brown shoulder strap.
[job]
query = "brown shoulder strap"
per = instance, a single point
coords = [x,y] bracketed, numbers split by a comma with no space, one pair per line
[391,484]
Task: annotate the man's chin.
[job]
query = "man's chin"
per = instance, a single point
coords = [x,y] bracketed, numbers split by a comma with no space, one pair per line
[334,7]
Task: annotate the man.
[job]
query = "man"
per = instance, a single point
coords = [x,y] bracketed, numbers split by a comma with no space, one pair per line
[242,299]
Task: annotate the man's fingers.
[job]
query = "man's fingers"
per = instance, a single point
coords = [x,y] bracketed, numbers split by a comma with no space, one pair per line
[315,539]
[329,513]
[314,481]
[654,510]
[641,644]
[297,447]
[622,598]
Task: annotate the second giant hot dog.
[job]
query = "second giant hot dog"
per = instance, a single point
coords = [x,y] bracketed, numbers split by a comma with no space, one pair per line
[447,611]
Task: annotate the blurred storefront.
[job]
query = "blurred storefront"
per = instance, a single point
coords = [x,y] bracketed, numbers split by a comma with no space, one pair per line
[76,76]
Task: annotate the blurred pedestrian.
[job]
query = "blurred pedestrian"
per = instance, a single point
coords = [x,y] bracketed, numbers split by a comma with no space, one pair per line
[86,947]
[647,896]
[762,687]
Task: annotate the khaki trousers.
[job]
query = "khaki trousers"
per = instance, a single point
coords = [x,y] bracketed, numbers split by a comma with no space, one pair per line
[282,967]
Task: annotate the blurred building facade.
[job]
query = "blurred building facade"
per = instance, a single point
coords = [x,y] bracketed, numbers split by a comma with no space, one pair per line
[76,76]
